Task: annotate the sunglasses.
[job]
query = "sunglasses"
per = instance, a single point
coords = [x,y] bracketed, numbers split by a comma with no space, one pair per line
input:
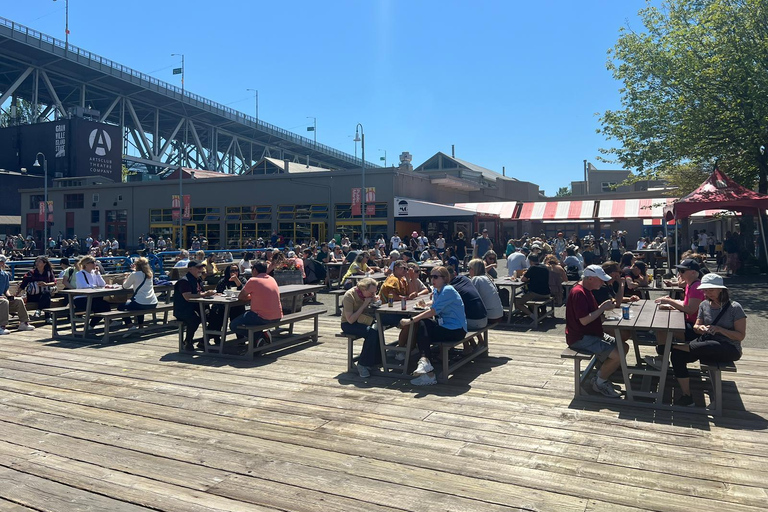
[435,276]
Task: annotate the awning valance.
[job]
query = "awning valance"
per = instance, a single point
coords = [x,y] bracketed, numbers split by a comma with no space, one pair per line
[504,209]
[405,207]
[557,210]
[633,208]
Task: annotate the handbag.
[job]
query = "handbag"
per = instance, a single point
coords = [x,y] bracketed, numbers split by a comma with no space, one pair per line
[707,336]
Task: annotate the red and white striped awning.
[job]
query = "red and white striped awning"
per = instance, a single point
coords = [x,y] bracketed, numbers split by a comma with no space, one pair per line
[503,209]
[633,208]
[557,210]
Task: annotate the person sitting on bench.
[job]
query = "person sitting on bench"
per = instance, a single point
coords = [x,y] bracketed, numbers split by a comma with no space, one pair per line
[264,294]
[357,321]
[721,325]
[537,277]
[444,320]
[9,303]
[189,287]
[90,277]
[584,327]
[140,281]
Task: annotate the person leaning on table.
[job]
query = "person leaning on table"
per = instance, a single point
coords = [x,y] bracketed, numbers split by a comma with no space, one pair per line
[721,325]
[357,320]
[189,287]
[584,327]
[444,320]
[688,273]
[90,277]
[264,293]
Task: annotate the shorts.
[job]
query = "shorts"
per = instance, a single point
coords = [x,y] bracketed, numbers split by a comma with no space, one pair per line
[591,344]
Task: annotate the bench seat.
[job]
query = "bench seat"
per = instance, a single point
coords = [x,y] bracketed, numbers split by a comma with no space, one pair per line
[338,295]
[58,313]
[111,316]
[579,377]
[714,370]
[549,310]
[283,341]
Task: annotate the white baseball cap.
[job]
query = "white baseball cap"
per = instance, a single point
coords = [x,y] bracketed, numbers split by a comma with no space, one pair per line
[596,271]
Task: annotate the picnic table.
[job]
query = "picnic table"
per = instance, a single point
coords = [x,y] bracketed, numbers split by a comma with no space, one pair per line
[340,267]
[648,255]
[378,276]
[645,315]
[294,291]
[673,291]
[90,294]
[514,285]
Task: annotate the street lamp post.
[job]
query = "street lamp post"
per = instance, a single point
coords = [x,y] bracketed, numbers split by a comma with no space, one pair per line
[313,128]
[361,138]
[384,158]
[256,96]
[182,70]
[45,199]
[66,25]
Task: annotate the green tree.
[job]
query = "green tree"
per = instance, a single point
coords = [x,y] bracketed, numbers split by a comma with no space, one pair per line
[563,192]
[694,90]
[25,114]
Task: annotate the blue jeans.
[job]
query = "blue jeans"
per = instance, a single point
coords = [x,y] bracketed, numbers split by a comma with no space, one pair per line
[248,318]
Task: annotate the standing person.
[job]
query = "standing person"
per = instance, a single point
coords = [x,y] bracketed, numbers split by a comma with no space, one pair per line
[394,243]
[559,245]
[461,246]
[9,303]
[731,248]
[584,328]
[721,325]
[483,245]
[189,287]
[712,244]
[449,324]
[87,278]
[440,244]
[615,247]
[140,281]
[703,242]
[39,283]
[264,293]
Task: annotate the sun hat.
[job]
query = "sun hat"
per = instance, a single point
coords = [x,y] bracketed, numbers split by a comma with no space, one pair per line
[596,271]
[712,281]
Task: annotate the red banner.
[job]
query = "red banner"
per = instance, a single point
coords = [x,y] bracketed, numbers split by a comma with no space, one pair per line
[187,207]
[41,214]
[176,206]
[370,195]
[356,201]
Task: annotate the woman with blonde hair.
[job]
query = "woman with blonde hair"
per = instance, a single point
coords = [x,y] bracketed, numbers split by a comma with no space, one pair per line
[356,319]
[90,277]
[140,281]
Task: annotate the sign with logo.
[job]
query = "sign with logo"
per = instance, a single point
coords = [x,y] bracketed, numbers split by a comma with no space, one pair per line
[60,141]
[402,208]
[98,149]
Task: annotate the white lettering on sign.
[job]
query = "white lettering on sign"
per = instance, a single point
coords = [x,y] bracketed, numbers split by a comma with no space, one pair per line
[60,141]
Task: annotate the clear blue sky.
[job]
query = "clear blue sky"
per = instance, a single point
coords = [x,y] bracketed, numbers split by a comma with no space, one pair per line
[510,83]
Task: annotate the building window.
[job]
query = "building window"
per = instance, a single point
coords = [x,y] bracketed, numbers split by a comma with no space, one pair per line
[249,213]
[73,201]
[161,215]
[95,216]
[608,186]
[206,214]
[34,201]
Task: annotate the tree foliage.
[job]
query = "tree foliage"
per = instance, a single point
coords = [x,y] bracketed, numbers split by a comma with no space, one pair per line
[563,192]
[695,89]
[24,113]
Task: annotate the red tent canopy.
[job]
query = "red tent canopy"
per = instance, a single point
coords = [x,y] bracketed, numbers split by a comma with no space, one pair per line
[718,192]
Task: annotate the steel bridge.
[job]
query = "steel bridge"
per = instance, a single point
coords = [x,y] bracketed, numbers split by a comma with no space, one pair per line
[162,125]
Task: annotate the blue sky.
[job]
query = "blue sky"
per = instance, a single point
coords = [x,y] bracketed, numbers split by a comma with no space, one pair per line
[510,83]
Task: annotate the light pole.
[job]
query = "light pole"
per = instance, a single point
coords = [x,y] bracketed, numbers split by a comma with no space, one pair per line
[384,158]
[45,199]
[361,138]
[313,128]
[256,96]
[66,24]
[180,71]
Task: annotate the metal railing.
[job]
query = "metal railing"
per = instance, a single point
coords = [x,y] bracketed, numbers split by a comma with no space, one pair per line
[27,35]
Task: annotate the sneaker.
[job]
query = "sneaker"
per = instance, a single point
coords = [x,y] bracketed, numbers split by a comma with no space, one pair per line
[654,361]
[4,331]
[423,367]
[38,314]
[684,401]
[363,371]
[424,380]
[606,388]
[399,356]
[26,327]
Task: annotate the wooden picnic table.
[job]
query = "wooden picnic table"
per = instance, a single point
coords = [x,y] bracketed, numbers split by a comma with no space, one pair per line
[378,276]
[294,291]
[645,315]
[397,370]
[340,266]
[514,285]
[90,294]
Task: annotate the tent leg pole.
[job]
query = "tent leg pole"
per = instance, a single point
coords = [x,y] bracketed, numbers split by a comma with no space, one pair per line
[677,245]
[762,233]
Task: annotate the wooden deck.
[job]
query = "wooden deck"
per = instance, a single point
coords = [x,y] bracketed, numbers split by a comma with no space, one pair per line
[136,426]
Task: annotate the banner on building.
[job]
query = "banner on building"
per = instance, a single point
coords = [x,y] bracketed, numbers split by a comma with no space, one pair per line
[370,199]
[42,209]
[176,206]
[356,201]
[187,213]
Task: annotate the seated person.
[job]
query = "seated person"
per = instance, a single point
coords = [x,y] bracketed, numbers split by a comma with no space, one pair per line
[358,268]
[584,327]
[636,276]
[264,294]
[614,289]
[450,324]
[356,319]
[230,280]
[244,265]
[190,286]
[489,258]
[393,257]
[451,260]
[416,287]
[537,277]
[688,274]
[182,259]
[90,277]
[474,309]
[516,261]
[39,284]
[140,281]
[487,290]
[9,303]
[721,325]
[572,264]
[557,277]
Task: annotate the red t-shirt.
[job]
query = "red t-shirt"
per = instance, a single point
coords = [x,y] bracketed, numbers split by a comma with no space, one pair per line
[692,292]
[580,303]
[265,297]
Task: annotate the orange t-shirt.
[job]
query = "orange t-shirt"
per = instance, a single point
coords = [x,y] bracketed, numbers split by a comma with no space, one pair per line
[265,297]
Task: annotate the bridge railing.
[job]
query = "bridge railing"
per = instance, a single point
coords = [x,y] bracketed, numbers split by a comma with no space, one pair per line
[74,53]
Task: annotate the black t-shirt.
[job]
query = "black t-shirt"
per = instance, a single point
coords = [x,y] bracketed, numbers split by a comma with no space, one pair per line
[461,247]
[538,279]
[604,293]
[351,256]
[474,307]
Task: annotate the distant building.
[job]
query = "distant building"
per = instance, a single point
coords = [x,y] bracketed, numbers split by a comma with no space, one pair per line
[608,181]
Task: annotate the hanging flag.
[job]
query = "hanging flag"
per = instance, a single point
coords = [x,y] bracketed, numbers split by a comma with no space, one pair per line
[356,201]
[178,71]
[187,214]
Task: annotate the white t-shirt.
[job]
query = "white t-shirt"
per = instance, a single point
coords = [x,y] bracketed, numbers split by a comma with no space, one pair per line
[440,243]
[516,261]
[395,242]
[703,239]
[146,294]
[181,263]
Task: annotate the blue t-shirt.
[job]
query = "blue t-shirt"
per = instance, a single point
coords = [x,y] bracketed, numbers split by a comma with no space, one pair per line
[449,308]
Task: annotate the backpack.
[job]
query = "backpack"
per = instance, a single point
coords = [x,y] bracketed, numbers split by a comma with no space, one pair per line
[70,279]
